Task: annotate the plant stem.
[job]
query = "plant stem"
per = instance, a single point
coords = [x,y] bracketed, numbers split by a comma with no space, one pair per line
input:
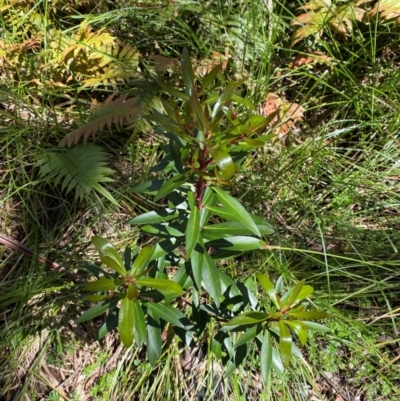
[201,183]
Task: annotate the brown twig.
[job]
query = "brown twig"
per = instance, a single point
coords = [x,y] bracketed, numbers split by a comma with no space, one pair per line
[17,246]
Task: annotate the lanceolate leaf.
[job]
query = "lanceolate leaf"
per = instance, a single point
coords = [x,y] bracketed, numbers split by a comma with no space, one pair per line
[95,298]
[250,317]
[173,183]
[126,323]
[109,325]
[232,228]
[269,288]
[198,110]
[238,243]
[289,297]
[155,216]
[148,187]
[165,247]
[234,207]
[209,199]
[316,326]
[209,78]
[312,315]
[225,96]
[196,262]
[162,230]
[132,292]
[187,71]
[224,162]
[161,284]
[299,328]
[102,284]
[153,337]
[139,324]
[192,231]
[167,313]
[266,356]
[306,291]
[97,310]
[277,362]
[108,255]
[142,260]
[285,343]
[249,334]
[211,279]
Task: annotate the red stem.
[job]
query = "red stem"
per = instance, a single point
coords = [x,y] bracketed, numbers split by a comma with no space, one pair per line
[201,183]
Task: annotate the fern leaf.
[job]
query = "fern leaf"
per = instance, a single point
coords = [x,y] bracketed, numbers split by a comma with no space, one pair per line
[82,168]
[112,111]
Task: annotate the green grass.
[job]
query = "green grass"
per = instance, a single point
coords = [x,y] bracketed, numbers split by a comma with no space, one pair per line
[330,191]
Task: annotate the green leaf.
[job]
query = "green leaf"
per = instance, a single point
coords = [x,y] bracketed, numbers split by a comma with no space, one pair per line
[155,216]
[98,310]
[161,284]
[140,333]
[196,263]
[253,124]
[234,207]
[289,297]
[224,162]
[153,337]
[210,77]
[102,284]
[166,247]
[173,183]
[269,288]
[222,212]
[192,231]
[95,298]
[108,255]
[306,291]
[279,285]
[209,199]
[81,169]
[238,243]
[266,356]
[126,323]
[228,229]
[172,91]
[211,279]
[198,110]
[247,336]
[277,362]
[149,187]
[167,313]
[250,317]
[226,96]
[187,70]
[312,315]
[162,230]
[285,343]
[142,260]
[109,325]
[316,327]
[299,328]
[132,292]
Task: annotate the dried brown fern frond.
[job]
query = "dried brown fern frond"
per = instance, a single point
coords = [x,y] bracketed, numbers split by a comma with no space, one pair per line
[116,67]
[388,10]
[113,111]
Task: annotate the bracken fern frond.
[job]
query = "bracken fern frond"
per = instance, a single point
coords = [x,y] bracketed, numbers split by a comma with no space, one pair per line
[82,168]
[112,112]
